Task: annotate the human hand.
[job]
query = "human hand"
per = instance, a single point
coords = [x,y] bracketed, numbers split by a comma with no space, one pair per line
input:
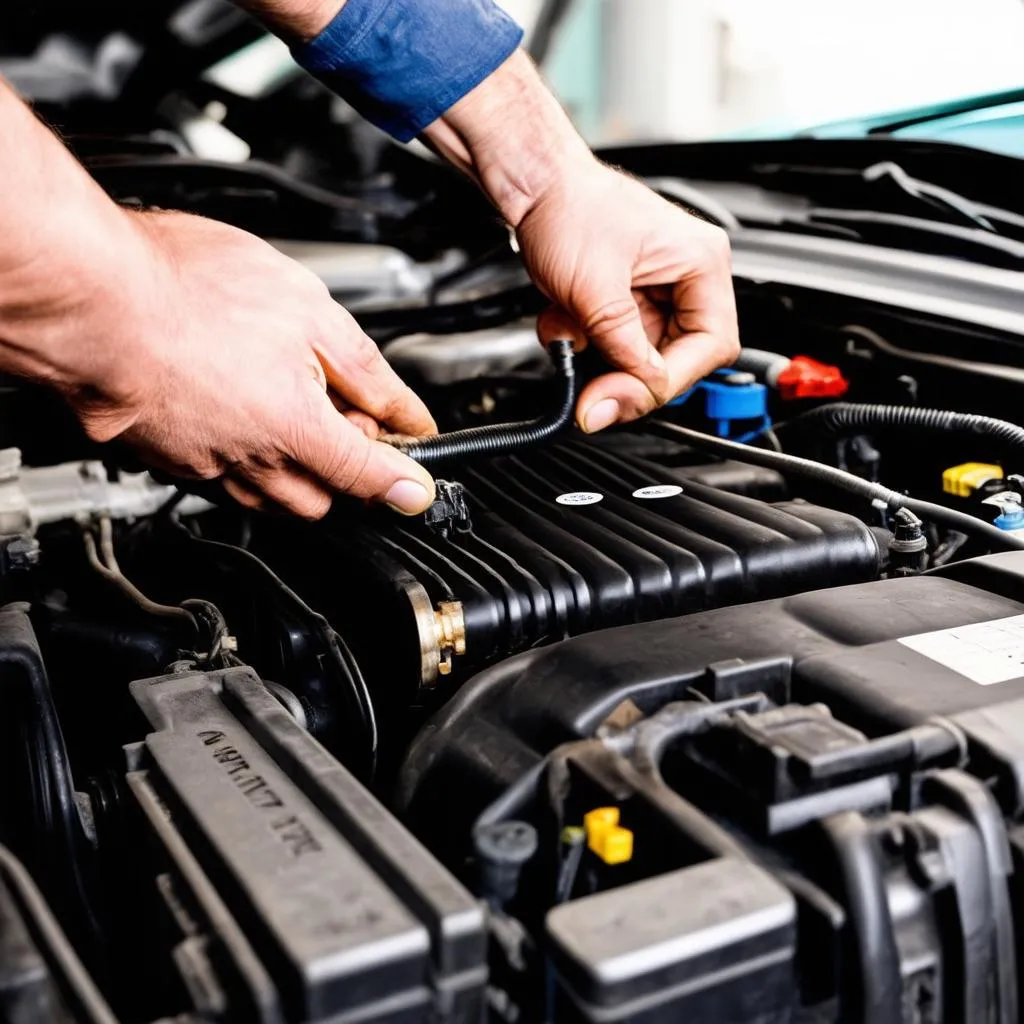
[647,283]
[235,363]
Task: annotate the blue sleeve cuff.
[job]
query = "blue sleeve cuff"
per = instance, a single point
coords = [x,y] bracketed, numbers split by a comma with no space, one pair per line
[403,63]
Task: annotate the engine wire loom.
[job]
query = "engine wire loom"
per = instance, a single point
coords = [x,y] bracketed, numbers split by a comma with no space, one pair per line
[503,438]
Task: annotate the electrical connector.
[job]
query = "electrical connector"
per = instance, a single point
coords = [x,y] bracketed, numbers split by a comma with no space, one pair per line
[606,837]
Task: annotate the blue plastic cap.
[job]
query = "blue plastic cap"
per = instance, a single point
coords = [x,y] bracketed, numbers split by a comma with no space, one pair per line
[1013,520]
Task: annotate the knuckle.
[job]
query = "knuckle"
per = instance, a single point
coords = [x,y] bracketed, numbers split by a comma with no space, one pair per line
[345,466]
[641,405]
[99,429]
[402,401]
[364,353]
[205,470]
[315,507]
[611,317]
[301,277]
[100,422]
[718,244]
[202,465]
[318,287]
[261,464]
[387,409]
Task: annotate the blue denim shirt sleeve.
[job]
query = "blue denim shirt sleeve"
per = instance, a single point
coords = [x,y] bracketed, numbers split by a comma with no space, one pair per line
[403,63]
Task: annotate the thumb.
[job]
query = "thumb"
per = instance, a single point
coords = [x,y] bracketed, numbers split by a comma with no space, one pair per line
[340,455]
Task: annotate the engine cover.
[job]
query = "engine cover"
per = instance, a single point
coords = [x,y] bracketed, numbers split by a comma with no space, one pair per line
[581,536]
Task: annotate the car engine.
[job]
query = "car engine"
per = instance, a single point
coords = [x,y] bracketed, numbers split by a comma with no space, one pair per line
[620,730]
[717,716]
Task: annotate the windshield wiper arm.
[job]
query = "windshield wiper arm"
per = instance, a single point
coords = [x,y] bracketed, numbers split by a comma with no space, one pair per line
[941,198]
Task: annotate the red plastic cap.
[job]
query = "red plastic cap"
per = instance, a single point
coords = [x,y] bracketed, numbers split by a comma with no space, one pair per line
[807,378]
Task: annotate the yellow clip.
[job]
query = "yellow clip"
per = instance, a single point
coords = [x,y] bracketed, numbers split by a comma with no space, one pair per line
[965,479]
[606,838]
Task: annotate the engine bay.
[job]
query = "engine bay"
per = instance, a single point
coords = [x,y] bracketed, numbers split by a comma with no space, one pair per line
[716,716]
[623,730]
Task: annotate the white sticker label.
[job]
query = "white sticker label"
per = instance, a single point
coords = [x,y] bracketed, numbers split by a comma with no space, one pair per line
[579,498]
[658,491]
[987,652]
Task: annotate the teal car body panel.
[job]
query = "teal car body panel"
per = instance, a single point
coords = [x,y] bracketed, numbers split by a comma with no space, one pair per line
[994,121]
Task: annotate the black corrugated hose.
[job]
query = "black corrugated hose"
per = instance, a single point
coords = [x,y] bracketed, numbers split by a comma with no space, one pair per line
[844,417]
[504,437]
[763,364]
[877,494]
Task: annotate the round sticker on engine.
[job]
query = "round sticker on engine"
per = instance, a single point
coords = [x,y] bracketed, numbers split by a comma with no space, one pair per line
[579,498]
[658,491]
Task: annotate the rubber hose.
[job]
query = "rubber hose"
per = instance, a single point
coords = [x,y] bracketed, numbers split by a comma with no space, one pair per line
[844,417]
[763,364]
[831,476]
[504,437]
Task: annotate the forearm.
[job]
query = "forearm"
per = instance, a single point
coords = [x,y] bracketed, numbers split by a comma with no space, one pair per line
[64,246]
[512,136]
[145,321]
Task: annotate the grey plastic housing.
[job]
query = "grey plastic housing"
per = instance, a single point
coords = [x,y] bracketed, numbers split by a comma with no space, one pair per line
[300,874]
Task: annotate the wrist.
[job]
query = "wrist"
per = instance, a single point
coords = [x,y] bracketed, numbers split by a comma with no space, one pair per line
[511,134]
[298,20]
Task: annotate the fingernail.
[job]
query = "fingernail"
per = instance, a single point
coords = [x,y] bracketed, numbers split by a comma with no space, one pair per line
[408,497]
[600,415]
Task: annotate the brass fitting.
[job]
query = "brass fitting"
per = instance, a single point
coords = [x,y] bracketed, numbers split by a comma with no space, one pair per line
[442,634]
[450,633]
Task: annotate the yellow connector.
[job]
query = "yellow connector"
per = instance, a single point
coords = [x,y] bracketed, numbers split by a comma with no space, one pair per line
[965,479]
[606,838]
[615,846]
[599,818]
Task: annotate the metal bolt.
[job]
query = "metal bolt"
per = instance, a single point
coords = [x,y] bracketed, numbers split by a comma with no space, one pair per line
[501,850]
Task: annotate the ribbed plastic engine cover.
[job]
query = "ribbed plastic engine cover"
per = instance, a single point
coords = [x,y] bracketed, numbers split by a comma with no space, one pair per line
[578,537]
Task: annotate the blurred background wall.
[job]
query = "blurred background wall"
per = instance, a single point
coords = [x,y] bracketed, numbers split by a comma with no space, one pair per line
[633,69]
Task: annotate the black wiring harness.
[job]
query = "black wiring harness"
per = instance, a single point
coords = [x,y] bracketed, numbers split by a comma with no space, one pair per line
[879,495]
[848,417]
[504,437]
